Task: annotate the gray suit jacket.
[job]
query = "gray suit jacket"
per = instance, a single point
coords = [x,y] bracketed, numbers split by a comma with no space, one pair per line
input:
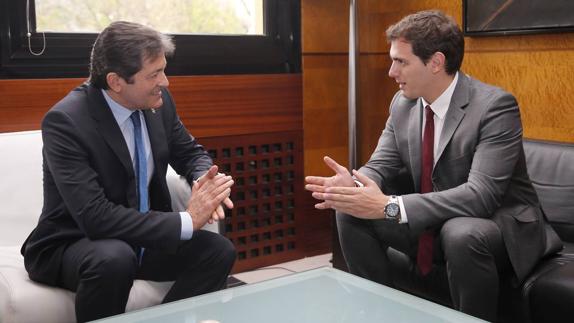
[480,171]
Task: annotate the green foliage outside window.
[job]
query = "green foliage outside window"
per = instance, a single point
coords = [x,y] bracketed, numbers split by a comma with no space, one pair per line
[170,16]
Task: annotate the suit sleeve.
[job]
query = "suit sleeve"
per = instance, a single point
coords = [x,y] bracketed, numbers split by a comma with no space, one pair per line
[187,157]
[68,160]
[498,147]
[385,162]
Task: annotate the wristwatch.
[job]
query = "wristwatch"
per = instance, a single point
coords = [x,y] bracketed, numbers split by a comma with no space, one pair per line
[392,209]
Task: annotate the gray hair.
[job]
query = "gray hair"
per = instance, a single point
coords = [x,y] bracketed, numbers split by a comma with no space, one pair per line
[122,48]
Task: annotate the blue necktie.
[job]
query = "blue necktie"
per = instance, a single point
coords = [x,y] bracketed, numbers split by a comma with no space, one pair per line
[141,167]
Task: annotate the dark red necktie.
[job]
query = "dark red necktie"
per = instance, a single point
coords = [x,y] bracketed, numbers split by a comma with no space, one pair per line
[424,254]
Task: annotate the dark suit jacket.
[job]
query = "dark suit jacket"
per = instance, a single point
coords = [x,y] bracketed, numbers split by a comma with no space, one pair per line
[480,171]
[89,181]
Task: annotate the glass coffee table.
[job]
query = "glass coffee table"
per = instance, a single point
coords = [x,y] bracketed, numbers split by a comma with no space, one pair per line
[318,295]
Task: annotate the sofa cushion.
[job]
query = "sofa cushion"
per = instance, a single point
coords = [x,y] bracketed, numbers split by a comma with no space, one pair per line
[25,301]
[22,300]
[551,170]
[21,195]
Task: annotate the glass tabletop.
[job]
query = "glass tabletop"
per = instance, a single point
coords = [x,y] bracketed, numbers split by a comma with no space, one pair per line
[318,295]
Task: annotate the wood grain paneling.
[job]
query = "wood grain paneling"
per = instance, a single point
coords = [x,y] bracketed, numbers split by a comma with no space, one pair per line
[376,90]
[207,105]
[325,26]
[542,83]
[239,104]
[325,111]
[537,69]
[24,102]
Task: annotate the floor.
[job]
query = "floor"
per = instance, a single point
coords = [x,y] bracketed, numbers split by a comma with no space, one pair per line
[283,269]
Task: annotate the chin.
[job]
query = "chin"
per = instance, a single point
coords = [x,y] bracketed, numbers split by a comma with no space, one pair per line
[157,104]
[406,94]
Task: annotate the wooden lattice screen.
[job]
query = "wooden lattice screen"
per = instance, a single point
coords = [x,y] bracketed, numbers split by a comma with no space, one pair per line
[267,169]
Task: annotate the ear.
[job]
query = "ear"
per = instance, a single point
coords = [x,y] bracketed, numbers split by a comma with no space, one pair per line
[115,82]
[438,61]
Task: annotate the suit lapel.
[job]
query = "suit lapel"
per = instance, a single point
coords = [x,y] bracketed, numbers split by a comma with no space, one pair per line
[455,113]
[157,137]
[415,141]
[109,129]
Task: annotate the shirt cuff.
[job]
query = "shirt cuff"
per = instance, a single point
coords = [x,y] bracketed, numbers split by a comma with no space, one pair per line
[186,226]
[404,218]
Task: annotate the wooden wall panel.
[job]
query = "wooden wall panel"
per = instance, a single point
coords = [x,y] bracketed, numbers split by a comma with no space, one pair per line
[325,38]
[234,105]
[376,89]
[325,111]
[542,83]
[325,26]
[207,105]
[24,102]
[537,69]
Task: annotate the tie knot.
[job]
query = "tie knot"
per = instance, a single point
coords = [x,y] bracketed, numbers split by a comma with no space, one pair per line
[429,112]
[136,118]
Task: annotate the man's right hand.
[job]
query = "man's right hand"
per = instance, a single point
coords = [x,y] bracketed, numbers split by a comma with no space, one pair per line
[207,194]
[342,177]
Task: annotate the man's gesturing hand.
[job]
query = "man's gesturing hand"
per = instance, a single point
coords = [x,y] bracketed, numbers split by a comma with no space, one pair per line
[339,192]
[207,194]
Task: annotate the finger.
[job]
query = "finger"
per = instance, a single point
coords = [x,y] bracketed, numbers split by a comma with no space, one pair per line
[335,166]
[317,180]
[222,196]
[220,179]
[220,215]
[214,217]
[228,203]
[315,188]
[208,175]
[217,184]
[216,190]
[363,178]
[194,186]
[342,190]
[322,206]
[333,198]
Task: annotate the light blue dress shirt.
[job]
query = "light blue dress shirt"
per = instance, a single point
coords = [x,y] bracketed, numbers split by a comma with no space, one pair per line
[122,116]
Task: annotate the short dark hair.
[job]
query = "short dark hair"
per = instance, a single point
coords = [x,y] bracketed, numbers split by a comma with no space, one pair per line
[429,32]
[122,47]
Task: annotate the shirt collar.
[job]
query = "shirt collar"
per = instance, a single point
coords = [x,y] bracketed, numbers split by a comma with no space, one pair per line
[121,114]
[440,105]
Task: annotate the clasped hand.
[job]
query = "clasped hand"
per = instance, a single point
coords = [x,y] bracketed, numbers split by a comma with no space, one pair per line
[340,193]
[207,195]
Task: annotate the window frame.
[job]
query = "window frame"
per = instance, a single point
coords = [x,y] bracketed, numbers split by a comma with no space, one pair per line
[67,54]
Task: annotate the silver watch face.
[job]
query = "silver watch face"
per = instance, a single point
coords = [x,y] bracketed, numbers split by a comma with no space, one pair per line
[392,210]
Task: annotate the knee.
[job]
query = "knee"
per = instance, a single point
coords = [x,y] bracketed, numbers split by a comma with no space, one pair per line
[114,260]
[225,250]
[467,234]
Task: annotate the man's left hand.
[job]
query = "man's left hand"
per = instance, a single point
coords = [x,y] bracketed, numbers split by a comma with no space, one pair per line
[366,202]
[218,213]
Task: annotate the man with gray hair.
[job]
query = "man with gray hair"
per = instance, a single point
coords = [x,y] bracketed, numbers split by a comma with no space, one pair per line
[107,217]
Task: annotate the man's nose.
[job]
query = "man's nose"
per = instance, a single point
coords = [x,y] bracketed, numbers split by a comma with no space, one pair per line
[392,70]
[164,82]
